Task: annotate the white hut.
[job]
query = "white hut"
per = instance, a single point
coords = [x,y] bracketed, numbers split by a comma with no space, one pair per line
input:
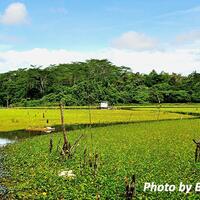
[104,105]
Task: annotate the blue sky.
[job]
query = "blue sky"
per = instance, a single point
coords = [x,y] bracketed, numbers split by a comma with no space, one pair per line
[124,31]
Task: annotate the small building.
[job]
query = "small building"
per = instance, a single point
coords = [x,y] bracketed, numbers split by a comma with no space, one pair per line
[104,105]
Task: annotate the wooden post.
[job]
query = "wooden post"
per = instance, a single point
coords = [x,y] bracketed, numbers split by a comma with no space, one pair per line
[159,103]
[51,144]
[7,102]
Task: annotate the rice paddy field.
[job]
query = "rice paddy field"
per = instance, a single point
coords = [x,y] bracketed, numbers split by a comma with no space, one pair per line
[186,110]
[158,147]
[20,119]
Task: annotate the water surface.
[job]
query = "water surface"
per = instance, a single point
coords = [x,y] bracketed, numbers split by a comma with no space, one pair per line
[5,141]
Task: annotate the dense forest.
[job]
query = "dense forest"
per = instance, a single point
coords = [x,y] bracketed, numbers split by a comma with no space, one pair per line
[93,81]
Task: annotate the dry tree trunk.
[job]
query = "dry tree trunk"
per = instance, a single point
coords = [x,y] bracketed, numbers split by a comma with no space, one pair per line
[67,148]
[130,188]
[66,143]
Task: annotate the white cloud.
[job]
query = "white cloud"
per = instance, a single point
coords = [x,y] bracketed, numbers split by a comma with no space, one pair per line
[189,37]
[15,59]
[134,41]
[179,60]
[15,13]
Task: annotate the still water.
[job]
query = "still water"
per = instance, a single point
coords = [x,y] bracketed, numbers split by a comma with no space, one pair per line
[5,141]
[13,136]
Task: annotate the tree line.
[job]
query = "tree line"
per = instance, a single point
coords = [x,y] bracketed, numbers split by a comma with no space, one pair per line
[93,81]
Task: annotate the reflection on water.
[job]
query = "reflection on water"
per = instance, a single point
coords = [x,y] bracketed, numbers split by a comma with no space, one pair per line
[16,135]
[12,136]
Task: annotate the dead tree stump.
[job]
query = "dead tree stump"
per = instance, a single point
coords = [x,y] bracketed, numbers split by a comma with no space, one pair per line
[50,145]
[197,151]
[130,188]
[97,196]
[66,145]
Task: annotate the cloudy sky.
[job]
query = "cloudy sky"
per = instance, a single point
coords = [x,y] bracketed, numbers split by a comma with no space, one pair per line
[144,35]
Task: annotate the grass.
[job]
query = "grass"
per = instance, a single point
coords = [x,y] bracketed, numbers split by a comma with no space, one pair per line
[160,152]
[18,119]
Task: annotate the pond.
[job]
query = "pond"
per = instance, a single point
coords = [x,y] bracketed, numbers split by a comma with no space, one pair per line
[5,141]
[12,136]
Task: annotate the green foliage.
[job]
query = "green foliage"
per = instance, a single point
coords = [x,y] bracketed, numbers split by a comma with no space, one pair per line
[93,81]
[142,95]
